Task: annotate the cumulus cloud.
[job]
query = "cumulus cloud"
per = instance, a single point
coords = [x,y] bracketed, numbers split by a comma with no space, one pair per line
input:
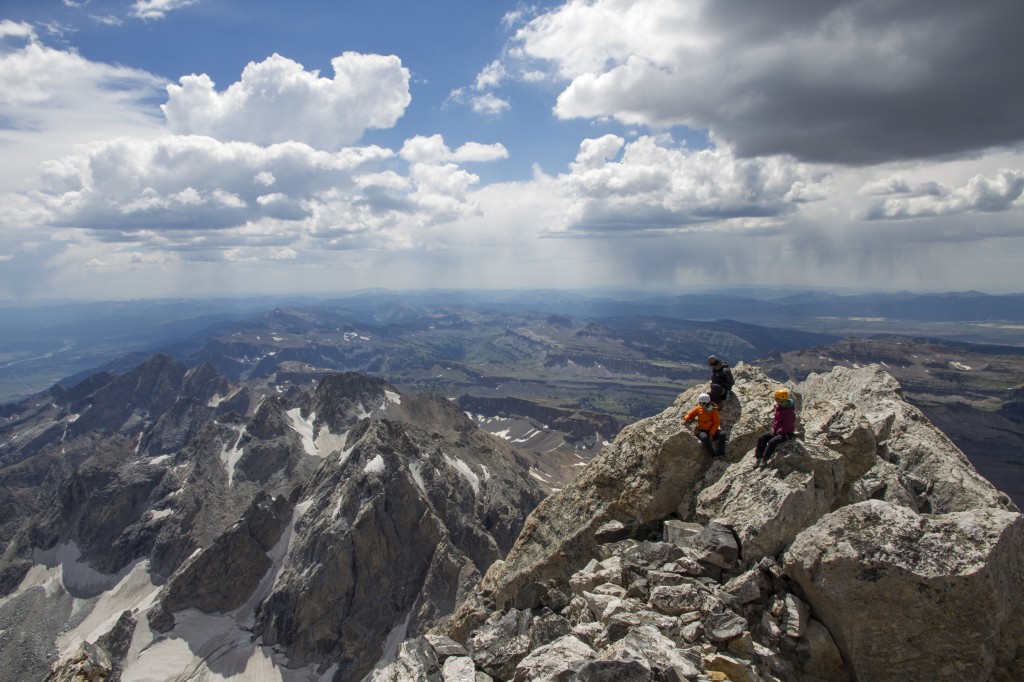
[201,197]
[277,100]
[842,81]
[652,185]
[194,182]
[980,194]
[481,97]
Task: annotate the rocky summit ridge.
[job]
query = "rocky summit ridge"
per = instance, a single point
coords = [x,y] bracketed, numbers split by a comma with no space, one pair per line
[868,549]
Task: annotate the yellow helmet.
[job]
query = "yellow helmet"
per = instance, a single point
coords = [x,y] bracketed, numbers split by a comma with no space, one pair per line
[781,394]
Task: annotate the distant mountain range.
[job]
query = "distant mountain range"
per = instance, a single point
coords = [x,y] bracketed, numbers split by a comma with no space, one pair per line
[579,359]
[42,344]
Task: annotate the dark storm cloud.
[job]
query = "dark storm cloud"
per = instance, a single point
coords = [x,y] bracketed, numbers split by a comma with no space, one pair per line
[854,82]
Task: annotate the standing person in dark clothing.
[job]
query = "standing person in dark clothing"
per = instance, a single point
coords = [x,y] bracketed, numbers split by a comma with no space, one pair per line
[783,428]
[721,380]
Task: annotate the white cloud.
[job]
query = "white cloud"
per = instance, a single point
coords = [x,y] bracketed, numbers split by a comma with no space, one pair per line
[489,104]
[656,185]
[277,100]
[253,201]
[158,9]
[421,149]
[107,20]
[491,76]
[209,200]
[194,182]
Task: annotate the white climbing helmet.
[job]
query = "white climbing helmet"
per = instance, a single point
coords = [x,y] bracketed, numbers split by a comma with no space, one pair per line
[703,399]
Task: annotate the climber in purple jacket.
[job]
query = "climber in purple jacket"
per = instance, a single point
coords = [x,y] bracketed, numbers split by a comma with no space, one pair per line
[783,428]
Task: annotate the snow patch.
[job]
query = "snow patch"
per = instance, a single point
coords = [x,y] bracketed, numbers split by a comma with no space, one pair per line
[416,471]
[230,457]
[199,639]
[395,638]
[284,543]
[393,397]
[487,474]
[526,436]
[160,514]
[538,476]
[959,366]
[343,455]
[503,434]
[327,442]
[135,592]
[304,428]
[158,460]
[301,508]
[79,579]
[218,399]
[465,471]
[374,466]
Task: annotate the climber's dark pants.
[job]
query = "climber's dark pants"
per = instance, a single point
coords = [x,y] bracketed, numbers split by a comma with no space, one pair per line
[706,442]
[767,443]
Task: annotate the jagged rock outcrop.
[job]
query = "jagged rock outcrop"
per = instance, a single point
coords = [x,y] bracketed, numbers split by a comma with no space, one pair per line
[89,459]
[222,577]
[89,663]
[867,549]
[767,512]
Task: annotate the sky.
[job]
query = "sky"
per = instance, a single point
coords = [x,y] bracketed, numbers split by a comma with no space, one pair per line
[155,148]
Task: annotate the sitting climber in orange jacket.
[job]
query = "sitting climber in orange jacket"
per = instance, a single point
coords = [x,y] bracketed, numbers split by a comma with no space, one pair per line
[709,423]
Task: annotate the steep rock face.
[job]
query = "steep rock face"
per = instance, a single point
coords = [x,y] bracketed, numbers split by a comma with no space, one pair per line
[945,587]
[222,576]
[87,446]
[399,526]
[178,425]
[836,561]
